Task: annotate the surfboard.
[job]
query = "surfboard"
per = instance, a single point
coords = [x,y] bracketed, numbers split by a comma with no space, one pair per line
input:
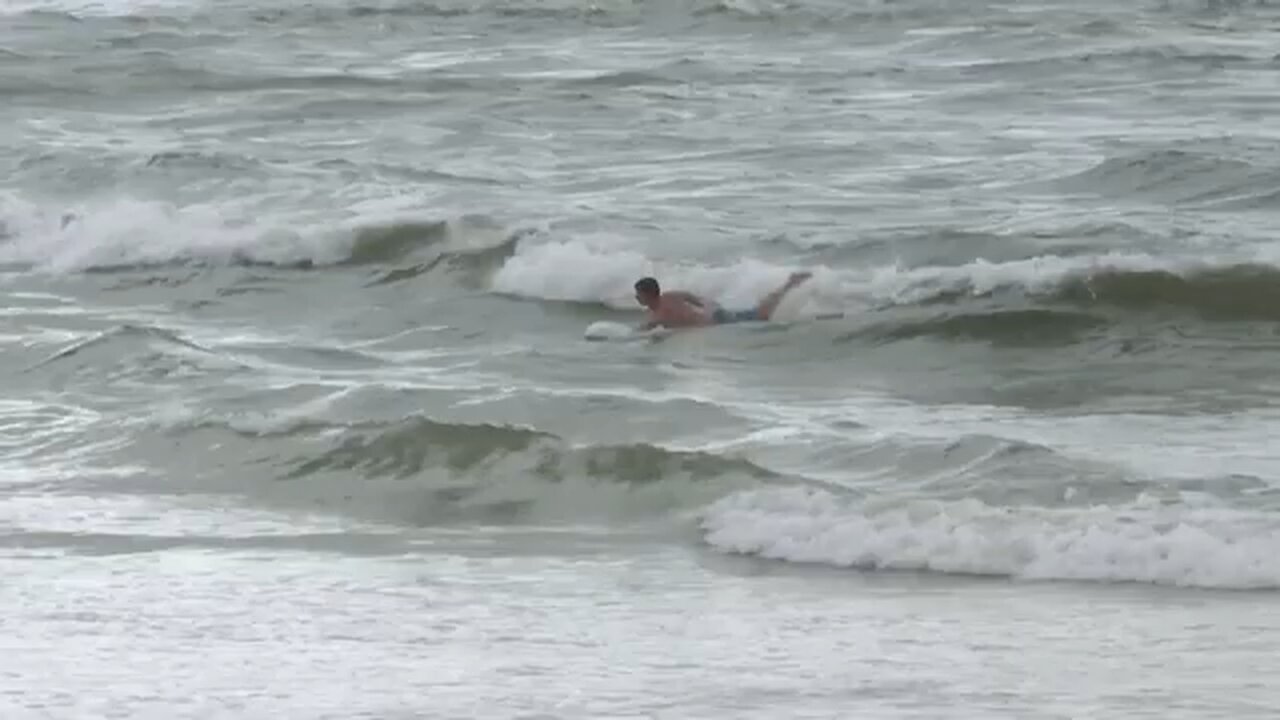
[604,330]
[609,331]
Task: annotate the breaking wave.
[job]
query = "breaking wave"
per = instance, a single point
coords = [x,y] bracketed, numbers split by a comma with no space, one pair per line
[1037,295]
[1146,542]
[421,471]
[122,235]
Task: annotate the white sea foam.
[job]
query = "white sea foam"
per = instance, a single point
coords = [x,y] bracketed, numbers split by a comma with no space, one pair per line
[86,8]
[124,231]
[1147,542]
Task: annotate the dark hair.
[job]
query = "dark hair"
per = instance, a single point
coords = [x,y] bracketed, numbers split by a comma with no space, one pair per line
[648,286]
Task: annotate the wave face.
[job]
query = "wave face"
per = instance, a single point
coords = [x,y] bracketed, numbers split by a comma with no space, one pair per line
[430,473]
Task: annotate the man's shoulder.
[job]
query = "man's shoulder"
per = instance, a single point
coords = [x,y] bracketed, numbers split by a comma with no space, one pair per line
[683,295]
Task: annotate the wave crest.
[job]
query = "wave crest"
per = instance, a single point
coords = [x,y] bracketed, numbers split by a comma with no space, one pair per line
[422,471]
[1171,175]
[124,235]
[1179,546]
[1031,298]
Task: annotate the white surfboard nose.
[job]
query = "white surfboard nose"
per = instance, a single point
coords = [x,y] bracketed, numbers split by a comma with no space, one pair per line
[608,330]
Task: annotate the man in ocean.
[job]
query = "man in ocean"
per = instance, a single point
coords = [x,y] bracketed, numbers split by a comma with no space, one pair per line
[680,309]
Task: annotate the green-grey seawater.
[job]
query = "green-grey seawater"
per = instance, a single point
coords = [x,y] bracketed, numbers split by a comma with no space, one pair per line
[301,418]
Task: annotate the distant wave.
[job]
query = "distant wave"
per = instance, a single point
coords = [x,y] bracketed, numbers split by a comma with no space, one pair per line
[598,12]
[811,14]
[127,333]
[1090,299]
[1030,68]
[1192,176]
[129,355]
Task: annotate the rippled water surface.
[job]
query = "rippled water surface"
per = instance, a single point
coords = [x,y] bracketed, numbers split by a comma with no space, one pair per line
[303,417]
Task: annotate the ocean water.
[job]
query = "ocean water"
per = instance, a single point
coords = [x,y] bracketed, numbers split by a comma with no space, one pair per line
[301,417]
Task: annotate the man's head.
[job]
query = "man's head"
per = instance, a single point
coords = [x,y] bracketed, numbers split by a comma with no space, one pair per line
[647,292]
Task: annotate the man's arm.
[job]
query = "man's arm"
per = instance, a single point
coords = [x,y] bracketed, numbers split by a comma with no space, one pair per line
[649,324]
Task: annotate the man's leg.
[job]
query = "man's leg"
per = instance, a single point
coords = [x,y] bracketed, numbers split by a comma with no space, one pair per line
[771,301]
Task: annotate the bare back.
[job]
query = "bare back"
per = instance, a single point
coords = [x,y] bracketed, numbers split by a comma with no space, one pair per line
[677,310]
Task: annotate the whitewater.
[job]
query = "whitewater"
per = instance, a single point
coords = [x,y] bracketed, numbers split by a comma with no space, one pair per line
[319,401]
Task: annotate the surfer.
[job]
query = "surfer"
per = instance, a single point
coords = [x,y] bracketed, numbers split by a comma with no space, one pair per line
[681,309]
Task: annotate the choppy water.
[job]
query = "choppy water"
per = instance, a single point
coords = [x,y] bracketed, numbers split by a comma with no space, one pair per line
[300,418]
